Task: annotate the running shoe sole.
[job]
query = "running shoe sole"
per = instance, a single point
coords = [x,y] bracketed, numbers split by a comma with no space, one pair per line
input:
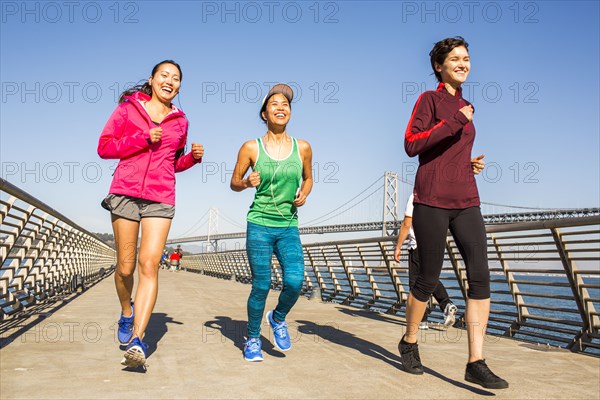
[134,357]
[493,385]
[450,319]
[254,359]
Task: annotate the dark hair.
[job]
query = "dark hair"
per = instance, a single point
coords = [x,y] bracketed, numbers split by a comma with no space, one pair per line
[145,87]
[441,50]
[264,107]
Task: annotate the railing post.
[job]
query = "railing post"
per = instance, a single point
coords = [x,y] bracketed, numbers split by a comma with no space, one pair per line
[309,283]
[459,270]
[5,209]
[275,268]
[396,283]
[522,311]
[334,281]
[13,277]
[349,276]
[320,281]
[372,283]
[579,292]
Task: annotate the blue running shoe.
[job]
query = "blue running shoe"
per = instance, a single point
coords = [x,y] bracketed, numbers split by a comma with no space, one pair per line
[252,350]
[280,333]
[135,355]
[125,331]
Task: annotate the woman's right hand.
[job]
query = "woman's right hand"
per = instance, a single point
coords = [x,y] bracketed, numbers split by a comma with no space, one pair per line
[254,179]
[155,134]
[468,112]
[397,253]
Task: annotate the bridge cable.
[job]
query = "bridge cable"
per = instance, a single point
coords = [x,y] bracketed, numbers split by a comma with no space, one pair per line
[349,201]
[195,226]
[352,206]
[231,220]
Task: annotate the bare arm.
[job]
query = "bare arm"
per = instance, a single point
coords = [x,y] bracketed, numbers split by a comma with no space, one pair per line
[246,159]
[307,179]
[404,229]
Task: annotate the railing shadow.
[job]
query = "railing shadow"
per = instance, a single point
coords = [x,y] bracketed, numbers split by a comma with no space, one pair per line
[14,327]
[335,335]
[340,337]
[370,314]
[236,331]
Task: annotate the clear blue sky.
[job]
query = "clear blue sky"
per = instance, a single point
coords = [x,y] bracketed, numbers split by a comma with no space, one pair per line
[359,65]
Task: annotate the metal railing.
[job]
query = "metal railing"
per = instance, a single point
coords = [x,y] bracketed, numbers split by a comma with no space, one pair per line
[43,254]
[545,278]
[377,226]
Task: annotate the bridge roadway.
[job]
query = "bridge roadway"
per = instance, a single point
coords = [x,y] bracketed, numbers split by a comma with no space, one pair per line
[195,338]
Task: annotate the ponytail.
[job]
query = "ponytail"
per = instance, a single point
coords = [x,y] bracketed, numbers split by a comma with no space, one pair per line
[140,87]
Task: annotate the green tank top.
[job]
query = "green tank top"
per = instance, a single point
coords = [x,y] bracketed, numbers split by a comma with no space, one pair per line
[273,203]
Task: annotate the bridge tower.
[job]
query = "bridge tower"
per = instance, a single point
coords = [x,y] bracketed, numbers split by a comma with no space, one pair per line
[213,229]
[390,202]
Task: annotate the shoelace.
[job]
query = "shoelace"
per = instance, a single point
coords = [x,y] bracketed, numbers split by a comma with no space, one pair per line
[124,323]
[253,346]
[137,342]
[413,355]
[281,329]
[485,371]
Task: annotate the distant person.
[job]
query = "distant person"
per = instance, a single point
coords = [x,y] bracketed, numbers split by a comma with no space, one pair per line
[175,260]
[164,260]
[441,133]
[282,175]
[147,133]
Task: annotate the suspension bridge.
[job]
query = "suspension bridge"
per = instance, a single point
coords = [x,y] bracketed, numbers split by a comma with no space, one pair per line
[58,311]
[376,208]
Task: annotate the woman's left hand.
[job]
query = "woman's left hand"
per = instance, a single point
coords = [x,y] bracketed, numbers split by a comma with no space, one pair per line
[477,164]
[300,199]
[197,151]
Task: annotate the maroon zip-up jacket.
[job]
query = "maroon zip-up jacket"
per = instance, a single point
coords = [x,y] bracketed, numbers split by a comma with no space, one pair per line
[442,137]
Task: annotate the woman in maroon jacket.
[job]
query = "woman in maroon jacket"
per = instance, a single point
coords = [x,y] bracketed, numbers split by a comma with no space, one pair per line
[441,133]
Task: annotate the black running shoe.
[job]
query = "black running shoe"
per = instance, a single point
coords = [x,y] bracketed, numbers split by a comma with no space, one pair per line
[409,352]
[478,372]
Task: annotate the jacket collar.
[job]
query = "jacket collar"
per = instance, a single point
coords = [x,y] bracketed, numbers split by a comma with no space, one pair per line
[442,88]
[138,97]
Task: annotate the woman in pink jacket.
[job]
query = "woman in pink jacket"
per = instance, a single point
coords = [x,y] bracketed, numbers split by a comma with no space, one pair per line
[147,133]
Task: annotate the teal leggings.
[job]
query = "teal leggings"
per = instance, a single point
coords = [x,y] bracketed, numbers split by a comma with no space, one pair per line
[261,243]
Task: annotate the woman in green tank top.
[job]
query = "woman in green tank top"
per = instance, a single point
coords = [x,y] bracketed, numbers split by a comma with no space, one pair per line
[282,175]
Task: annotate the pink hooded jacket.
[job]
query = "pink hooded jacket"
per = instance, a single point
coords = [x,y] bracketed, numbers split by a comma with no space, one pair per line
[145,171]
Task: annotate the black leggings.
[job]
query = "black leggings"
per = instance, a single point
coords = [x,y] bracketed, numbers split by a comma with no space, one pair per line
[431,228]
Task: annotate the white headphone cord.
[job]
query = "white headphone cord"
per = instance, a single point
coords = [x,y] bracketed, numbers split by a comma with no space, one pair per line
[273,178]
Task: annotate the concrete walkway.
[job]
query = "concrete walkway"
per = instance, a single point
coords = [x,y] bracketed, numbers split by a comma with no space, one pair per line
[196,334]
